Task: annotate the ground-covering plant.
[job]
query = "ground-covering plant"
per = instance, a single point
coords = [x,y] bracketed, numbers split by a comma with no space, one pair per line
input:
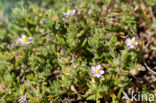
[83,51]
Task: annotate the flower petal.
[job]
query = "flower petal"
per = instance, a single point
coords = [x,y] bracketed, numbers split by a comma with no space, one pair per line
[23,36]
[93,69]
[19,39]
[27,42]
[128,40]
[131,46]
[65,14]
[73,12]
[97,75]
[98,67]
[136,43]
[128,43]
[29,38]
[133,39]
[101,72]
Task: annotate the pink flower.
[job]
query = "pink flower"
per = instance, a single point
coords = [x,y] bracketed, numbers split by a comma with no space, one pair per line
[70,12]
[96,70]
[24,40]
[131,43]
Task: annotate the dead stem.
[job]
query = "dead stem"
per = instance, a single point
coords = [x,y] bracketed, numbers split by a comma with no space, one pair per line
[153,72]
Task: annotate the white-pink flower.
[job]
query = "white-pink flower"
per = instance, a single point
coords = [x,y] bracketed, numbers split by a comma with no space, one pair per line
[69,12]
[24,40]
[97,71]
[131,43]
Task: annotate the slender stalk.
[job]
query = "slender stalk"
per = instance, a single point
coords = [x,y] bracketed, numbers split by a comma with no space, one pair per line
[143,14]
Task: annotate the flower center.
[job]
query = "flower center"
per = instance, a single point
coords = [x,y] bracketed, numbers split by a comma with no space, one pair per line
[25,39]
[70,11]
[132,42]
[96,71]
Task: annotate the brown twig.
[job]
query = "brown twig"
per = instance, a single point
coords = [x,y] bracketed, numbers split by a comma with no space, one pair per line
[44,34]
[153,72]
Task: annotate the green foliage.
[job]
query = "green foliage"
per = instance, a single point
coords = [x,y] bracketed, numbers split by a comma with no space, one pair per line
[57,64]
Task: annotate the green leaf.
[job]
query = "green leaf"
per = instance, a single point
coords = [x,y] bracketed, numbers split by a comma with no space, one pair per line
[84,43]
[60,40]
[91,97]
[81,33]
[153,47]
[30,97]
